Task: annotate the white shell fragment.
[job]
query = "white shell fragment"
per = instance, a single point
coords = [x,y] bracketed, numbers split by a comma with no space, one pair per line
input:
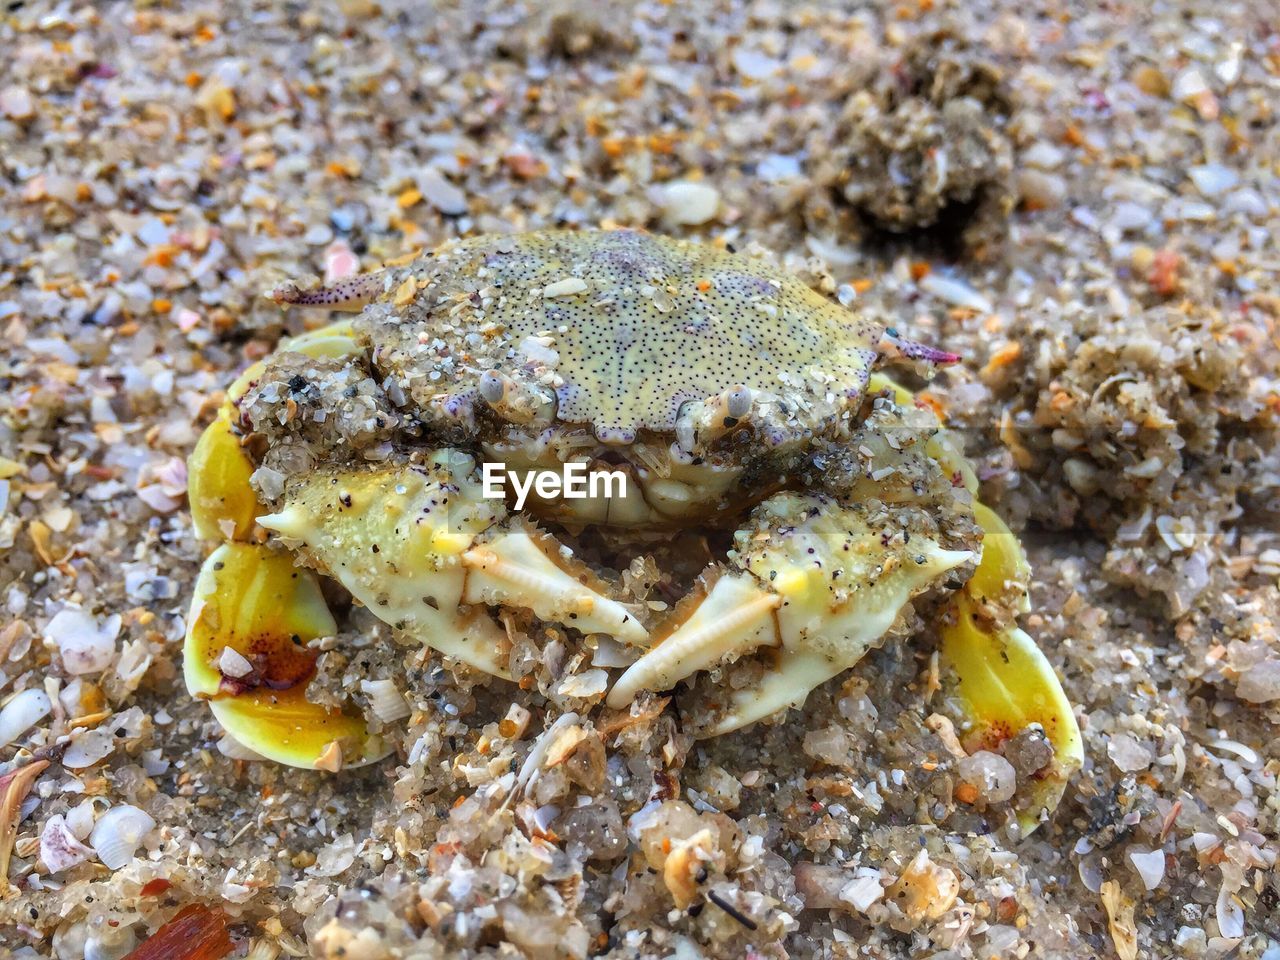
[1149,864]
[80,819]
[1230,914]
[21,713]
[110,944]
[1213,179]
[862,891]
[568,287]
[60,849]
[538,753]
[135,660]
[16,103]
[1188,85]
[88,747]
[385,700]
[955,292]
[233,664]
[118,834]
[86,646]
[589,683]
[442,194]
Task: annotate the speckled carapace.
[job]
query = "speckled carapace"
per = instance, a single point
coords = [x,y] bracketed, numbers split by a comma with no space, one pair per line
[620,327]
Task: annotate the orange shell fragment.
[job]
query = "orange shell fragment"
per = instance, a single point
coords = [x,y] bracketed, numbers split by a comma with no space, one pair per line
[195,932]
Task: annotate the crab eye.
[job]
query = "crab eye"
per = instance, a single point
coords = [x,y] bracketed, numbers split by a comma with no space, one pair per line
[252,614]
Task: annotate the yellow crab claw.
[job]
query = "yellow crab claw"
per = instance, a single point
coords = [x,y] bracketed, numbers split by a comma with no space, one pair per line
[1003,573]
[252,612]
[332,340]
[941,446]
[808,575]
[223,505]
[395,537]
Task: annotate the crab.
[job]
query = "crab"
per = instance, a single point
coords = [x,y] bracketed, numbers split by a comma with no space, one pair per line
[728,394]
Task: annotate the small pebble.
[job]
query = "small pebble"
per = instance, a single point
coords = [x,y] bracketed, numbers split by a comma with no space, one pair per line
[1213,179]
[754,65]
[442,194]
[992,775]
[1128,754]
[16,103]
[686,203]
[153,232]
[1260,683]
[777,167]
[317,235]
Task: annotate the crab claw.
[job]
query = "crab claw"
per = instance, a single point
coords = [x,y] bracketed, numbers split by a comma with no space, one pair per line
[333,340]
[942,446]
[252,609]
[734,617]
[814,578]
[519,568]
[998,678]
[417,544]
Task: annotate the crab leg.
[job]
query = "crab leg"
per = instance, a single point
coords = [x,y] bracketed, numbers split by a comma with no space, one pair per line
[416,545]
[993,672]
[223,505]
[998,676]
[810,575]
[251,610]
[893,346]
